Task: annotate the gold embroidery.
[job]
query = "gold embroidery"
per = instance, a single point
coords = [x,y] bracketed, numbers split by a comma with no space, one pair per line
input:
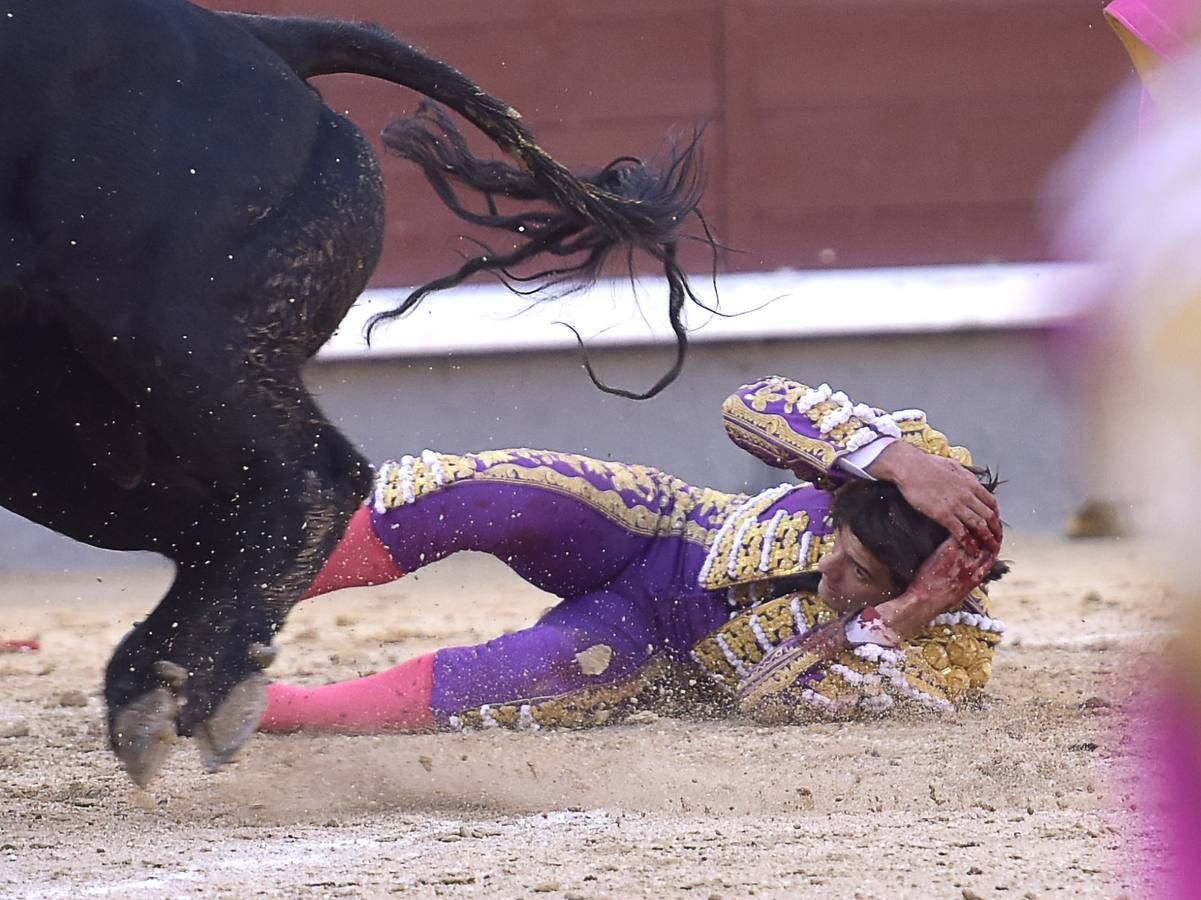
[662,504]
[920,434]
[419,478]
[753,427]
[738,558]
[777,621]
[785,558]
[785,548]
[424,481]
[776,389]
[582,708]
[670,500]
[979,596]
[773,435]
[944,663]
[748,553]
[819,549]
[709,657]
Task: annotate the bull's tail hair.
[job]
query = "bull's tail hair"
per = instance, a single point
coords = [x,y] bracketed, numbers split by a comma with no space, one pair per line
[626,205]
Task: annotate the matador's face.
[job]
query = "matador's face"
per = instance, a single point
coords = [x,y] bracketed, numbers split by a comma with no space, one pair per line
[851,576]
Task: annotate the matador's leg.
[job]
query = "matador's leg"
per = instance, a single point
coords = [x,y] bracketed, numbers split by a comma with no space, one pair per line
[565,523]
[588,650]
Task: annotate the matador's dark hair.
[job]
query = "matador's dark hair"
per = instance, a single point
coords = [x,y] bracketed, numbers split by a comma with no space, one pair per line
[892,530]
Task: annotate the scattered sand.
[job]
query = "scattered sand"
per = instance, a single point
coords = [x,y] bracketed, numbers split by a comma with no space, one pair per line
[1029,797]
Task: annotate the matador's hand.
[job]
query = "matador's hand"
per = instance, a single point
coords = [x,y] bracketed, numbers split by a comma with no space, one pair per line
[943,490]
[942,582]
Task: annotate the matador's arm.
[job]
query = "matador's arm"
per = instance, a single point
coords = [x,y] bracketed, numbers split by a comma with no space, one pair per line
[821,435]
[790,425]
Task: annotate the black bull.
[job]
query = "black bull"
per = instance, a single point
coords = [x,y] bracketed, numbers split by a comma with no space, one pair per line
[183,223]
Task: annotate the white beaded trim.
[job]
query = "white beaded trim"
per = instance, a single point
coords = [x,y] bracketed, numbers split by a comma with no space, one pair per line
[802,626]
[760,635]
[877,653]
[771,494]
[525,718]
[434,462]
[897,679]
[768,537]
[405,472]
[486,717]
[821,700]
[877,702]
[406,479]
[455,722]
[861,438]
[909,415]
[382,476]
[887,426]
[732,563]
[812,696]
[806,543]
[711,556]
[730,656]
[853,677]
[835,417]
[975,620]
[811,398]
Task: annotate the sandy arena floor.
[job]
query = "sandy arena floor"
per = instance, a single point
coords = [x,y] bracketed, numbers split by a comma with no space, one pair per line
[1029,797]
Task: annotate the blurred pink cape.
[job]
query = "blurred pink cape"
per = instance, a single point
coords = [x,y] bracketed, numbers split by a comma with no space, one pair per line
[1163,26]
[1153,31]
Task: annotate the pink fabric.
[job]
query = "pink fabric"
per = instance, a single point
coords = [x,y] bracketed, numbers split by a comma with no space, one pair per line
[1176,788]
[1166,27]
[1163,25]
[359,559]
[395,700]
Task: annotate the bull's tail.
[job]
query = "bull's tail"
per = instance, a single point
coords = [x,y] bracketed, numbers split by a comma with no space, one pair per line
[627,205]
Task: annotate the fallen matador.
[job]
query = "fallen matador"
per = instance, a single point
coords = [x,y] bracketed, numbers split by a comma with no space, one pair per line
[824,597]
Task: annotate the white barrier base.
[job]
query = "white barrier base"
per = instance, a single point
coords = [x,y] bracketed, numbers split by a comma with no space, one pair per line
[481,319]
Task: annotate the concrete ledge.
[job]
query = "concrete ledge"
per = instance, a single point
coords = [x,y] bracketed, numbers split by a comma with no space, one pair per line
[486,319]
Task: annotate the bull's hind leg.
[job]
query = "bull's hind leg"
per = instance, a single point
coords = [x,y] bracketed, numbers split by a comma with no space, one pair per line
[284,481]
[305,514]
[291,482]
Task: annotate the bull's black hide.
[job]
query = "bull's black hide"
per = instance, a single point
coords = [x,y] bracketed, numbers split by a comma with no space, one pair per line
[183,222]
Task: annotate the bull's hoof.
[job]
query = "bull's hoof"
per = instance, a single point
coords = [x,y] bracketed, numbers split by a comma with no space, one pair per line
[143,732]
[172,675]
[221,735]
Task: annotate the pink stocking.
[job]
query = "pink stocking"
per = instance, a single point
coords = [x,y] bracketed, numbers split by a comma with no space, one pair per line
[395,700]
[359,559]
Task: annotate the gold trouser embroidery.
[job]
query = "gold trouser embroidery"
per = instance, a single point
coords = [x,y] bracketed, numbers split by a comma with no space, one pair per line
[581,708]
[664,505]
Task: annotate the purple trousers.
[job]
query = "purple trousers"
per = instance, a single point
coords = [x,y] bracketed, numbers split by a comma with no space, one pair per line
[618,543]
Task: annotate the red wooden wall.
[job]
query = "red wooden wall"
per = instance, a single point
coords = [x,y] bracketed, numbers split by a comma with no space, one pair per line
[840,132]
